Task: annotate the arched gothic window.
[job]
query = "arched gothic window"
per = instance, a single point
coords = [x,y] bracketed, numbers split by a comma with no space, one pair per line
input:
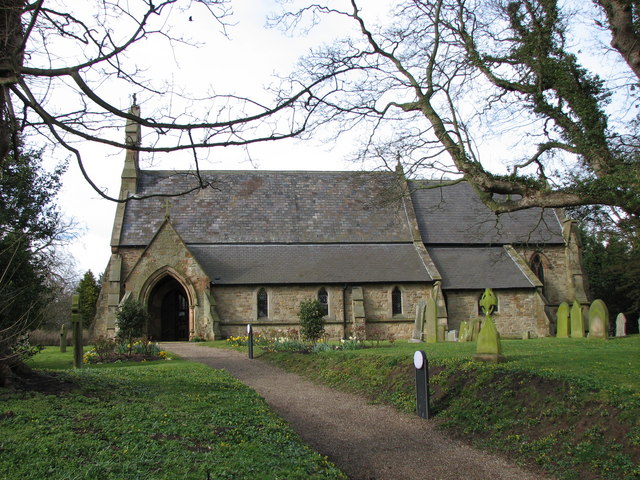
[396,301]
[263,303]
[537,267]
[323,300]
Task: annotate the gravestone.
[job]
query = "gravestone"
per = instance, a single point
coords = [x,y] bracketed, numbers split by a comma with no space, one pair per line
[63,338]
[418,325]
[463,335]
[598,320]
[431,321]
[562,321]
[488,347]
[474,328]
[452,336]
[442,333]
[577,320]
[621,325]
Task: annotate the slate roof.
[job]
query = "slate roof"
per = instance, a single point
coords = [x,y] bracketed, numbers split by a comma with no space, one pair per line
[262,227]
[455,215]
[319,263]
[268,207]
[477,267]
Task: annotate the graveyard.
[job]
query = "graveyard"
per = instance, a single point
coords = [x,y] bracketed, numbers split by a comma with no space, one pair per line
[567,406]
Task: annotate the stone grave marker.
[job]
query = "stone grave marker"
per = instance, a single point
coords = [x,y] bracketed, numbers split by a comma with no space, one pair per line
[488,347]
[621,325]
[598,320]
[63,338]
[562,321]
[418,324]
[431,321]
[463,335]
[577,320]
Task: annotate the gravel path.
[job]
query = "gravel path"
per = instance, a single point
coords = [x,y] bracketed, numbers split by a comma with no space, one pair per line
[368,442]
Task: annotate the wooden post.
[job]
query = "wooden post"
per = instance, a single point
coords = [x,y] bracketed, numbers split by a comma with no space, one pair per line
[76,322]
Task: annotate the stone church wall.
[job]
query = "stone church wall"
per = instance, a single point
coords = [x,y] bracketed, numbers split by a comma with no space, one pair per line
[237,306]
[554,261]
[519,311]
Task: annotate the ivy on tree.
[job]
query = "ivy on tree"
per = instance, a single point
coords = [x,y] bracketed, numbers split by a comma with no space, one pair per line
[30,226]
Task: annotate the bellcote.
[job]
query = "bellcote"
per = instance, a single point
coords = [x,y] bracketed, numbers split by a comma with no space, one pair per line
[131,166]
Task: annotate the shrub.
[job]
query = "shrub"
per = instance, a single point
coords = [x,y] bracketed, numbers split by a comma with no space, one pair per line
[311,320]
[104,348]
[131,320]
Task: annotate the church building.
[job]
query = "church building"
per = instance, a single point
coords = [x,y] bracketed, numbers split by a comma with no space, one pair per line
[368,245]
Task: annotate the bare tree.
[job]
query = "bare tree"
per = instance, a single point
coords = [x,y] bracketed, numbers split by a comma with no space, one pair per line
[442,77]
[61,61]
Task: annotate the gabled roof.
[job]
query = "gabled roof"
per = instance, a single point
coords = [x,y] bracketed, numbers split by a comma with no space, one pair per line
[478,268]
[319,263]
[455,215]
[268,207]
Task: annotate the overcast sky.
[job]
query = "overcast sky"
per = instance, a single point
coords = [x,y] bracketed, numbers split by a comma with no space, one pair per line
[240,63]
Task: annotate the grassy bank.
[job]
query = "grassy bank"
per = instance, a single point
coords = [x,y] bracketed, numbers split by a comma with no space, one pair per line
[571,407]
[155,420]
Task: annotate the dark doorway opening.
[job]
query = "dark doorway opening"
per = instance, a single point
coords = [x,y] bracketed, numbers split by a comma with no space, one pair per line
[169,311]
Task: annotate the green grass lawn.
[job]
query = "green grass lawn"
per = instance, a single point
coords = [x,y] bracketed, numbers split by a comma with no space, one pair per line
[157,420]
[614,362]
[568,406]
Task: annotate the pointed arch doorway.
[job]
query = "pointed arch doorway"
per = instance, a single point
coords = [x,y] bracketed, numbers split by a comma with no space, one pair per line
[169,311]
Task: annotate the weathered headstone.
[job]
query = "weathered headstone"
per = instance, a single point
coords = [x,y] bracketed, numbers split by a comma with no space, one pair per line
[598,320]
[76,322]
[431,321]
[63,338]
[463,335]
[562,321]
[442,332]
[474,328]
[488,347]
[577,320]
[621,325]
[526,335]
[452,336]
[418,325]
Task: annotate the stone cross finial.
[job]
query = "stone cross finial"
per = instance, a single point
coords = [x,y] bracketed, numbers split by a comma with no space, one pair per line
[167,206]
[488,302]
